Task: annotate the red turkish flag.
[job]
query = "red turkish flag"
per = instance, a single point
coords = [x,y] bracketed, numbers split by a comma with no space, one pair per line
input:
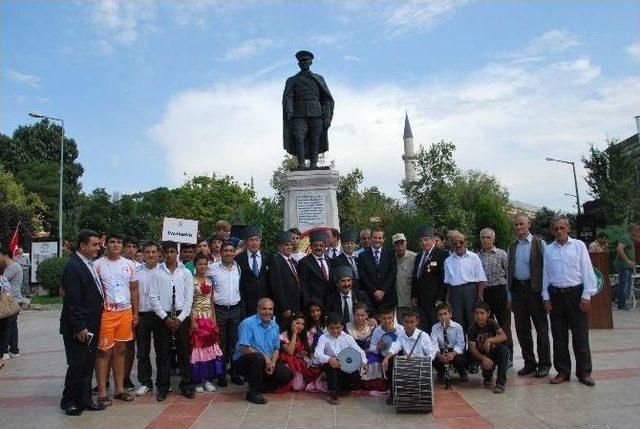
[15,241]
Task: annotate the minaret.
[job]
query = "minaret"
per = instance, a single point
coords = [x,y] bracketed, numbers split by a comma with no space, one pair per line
[409,156]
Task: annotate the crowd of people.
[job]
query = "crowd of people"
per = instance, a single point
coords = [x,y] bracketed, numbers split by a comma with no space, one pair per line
[225,309]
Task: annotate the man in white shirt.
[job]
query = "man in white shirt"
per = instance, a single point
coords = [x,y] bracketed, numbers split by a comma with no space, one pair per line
[171,296]
[148,321]
[225,276]
[568,282]
[330,344]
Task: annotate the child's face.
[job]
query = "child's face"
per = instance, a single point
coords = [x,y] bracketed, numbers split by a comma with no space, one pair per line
[334,329]
[315,313]
[298,325]
[360,317]
[481,316]
[202,266]
[444,316]
[410,324]
[386,320]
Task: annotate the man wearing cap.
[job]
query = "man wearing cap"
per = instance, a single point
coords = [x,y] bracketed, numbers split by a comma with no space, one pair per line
[405,264]
[377,268]
[348,257]
[307,111]
[342,301]
[427,285]
[284,280]
[254,267]
[314,270]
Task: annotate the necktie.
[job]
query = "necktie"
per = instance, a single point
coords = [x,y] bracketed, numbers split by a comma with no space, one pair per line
[254,265]
[293,270]
[376,255]
[335,253]
[323,268]
[353,266]
[345,309]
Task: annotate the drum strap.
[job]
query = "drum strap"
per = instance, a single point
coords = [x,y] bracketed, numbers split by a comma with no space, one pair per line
[415,344]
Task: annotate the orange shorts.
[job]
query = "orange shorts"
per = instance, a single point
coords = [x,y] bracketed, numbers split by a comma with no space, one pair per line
[115,326]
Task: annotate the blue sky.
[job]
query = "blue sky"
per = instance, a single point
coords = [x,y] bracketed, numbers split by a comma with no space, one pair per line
[154,90]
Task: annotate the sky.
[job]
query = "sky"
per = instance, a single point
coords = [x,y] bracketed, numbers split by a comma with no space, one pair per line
[156,92]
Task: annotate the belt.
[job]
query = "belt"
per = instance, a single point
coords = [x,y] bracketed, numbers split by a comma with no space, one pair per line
[556,289]
[495,287]
[145,313]
[228,307]
[522,282]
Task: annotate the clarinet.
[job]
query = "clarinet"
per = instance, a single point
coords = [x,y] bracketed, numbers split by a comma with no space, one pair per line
[447,366]
[173,315]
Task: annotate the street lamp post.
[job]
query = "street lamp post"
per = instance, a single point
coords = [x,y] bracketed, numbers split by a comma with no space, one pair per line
[575,178]
[38,116]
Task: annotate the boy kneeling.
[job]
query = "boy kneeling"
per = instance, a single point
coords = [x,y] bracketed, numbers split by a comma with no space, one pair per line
[330,344]
[448,336]
[412,343]
[487,344]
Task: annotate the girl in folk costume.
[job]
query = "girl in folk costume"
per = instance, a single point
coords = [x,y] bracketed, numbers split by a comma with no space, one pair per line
[294,352]
[206,354]
[315,328]
[361,330]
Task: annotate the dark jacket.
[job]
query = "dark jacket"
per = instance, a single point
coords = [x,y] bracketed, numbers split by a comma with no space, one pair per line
[342,259]
[427,286]
[253,288]
[380,276]
[313,281]
[286,290]
[82,303]
[536,262]
[335,304]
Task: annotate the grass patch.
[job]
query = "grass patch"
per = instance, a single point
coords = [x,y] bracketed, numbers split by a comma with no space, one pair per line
[46,299]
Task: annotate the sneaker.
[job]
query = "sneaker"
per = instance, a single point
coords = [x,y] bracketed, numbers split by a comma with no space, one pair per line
[5,356]
[199,389]
[14,355]
[142,390]
[209,387]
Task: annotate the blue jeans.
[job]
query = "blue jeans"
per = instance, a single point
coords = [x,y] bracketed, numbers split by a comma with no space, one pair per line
[624,286]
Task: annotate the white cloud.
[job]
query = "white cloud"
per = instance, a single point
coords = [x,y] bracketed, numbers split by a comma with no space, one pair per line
[28,79]
[634,50]
[551,42]
[349,57]
[504,118]
[121,22]
[418,16]
[249,48]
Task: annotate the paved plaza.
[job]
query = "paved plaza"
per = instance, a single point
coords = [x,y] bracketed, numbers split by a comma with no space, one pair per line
[30,388]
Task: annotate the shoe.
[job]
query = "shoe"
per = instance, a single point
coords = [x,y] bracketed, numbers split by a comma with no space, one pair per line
[331,399]
[587,380]
[72,410]
[473,368]
[6,356]
[142,390]
[92,406]
[499,388]
[487,381]
[14,355]
[199,389]
[209,387]
[189,394]
[527,370]
[558,379]
[222,381]
[175,371]
[128,385]
[236,379]
[542,372]
[255,398]
[161,395]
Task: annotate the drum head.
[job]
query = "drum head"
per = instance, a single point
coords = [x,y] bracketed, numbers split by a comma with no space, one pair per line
[387,339]
[350,360]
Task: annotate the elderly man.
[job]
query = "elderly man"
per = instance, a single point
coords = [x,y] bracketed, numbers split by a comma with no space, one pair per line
[524,281]
[254,269]
[568,282]
[342,301]
[625,262]
[494,262]
[284,280]
[405,264]
[256,354]
[365,241]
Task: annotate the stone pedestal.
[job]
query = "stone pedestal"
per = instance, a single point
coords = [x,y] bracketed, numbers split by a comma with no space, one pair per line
[310,199]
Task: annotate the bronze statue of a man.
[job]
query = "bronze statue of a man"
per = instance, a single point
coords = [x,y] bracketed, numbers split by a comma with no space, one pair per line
[307,111]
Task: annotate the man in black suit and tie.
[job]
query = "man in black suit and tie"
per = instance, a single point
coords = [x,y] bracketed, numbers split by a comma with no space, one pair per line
[80,324]
[314,270]
[254,268]
[427,285]
[284,280]
[343,300]
[347,256]
[377,269]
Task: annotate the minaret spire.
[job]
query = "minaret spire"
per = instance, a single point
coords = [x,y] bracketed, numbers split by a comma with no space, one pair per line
[409,156]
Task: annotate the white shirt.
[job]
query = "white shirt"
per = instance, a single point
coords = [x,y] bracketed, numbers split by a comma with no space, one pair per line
[567,265]
[377,334]
[226,283]
[145,279]
[161,292]
[258,258]
[298,255]
[116,278]
[467,268]
[423,348]
[455,336]
[329,252]
[330,346]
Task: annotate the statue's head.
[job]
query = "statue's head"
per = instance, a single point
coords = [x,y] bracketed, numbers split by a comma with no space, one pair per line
[304,60]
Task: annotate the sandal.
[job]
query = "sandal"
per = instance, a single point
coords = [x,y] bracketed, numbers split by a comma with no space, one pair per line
[124,396]
[498,389]
[105,402]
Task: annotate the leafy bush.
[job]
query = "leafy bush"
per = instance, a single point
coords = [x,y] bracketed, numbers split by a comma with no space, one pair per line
[49,274]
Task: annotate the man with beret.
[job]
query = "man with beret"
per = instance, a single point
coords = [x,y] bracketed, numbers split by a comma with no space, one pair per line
[254,268]
[343,300]
[307,108]
[314,269]
[284,280]
[405,261]
[427,284]
[377,269]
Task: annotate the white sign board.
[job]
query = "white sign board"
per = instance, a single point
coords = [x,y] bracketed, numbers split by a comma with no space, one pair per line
[41,251]
[311,210]
[180,230]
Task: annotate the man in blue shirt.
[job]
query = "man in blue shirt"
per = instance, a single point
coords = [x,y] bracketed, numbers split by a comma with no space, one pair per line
[256,354]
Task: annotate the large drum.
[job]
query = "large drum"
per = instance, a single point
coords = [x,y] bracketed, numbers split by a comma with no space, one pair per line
[412,384]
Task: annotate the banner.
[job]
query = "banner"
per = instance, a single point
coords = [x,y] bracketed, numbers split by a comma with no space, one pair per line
[41,251]
[180,230]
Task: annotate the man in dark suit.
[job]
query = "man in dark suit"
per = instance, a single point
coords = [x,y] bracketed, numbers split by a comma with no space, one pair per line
[427,285]
[254,268]
[284,280]
[314,270]
[343,300]
[377,269]
[347,256]
[80,324]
